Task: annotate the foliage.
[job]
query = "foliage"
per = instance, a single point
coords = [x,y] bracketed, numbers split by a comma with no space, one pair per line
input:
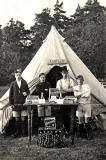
[10,50]
[86,36]
[40,29]
[45,20]
[60,20]
[84,32]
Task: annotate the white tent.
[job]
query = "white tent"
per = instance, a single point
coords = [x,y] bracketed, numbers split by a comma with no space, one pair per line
[55,51]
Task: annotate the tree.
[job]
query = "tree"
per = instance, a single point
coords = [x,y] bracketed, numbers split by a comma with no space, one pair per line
[44,21]
[10,49]
[41,28]
[87,36]
[26,50]
[60,20]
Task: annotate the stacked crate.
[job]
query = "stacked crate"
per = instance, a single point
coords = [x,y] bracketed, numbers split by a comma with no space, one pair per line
[49,138]
[50,135]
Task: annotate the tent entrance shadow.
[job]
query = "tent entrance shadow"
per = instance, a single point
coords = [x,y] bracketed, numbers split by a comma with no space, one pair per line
[54,75]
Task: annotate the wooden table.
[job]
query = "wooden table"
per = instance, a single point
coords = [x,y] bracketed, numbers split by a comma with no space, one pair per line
[30,107]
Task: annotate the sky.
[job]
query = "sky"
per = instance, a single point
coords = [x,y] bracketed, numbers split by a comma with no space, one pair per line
[24,10]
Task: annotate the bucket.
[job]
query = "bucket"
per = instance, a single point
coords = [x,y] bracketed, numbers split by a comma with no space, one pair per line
[41,111]
[103,117]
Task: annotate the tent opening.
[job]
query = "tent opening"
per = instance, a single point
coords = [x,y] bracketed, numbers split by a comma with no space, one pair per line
[53,76]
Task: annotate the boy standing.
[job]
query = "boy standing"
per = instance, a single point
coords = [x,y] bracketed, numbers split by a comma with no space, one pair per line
[83,93]
[18,92]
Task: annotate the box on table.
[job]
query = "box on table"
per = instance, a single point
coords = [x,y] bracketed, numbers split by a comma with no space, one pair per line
[70,100]
[32,99]
[41,101]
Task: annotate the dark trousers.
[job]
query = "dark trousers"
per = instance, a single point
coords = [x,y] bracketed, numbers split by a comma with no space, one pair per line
[69,115]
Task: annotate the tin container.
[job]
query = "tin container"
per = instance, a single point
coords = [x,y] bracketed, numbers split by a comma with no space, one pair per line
[41,111]
[48,111]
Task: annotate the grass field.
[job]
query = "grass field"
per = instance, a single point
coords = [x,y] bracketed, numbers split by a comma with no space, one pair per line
[19,149]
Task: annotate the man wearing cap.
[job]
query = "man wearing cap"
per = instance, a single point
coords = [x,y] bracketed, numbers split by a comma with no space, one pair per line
[18,92]
[83,93]
[65,85]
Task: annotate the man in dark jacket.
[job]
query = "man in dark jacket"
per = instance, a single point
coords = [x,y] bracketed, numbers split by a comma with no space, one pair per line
[17,95]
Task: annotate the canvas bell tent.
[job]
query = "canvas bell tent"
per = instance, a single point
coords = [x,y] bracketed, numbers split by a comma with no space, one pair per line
[53,52]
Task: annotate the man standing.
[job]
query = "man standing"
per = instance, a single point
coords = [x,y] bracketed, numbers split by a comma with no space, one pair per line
[17,95]
[65,85]
[83,93]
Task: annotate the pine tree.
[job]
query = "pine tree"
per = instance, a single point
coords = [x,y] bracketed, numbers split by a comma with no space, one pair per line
[60,20]
[86,36]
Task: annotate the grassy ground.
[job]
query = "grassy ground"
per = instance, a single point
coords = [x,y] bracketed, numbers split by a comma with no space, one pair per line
[19,149]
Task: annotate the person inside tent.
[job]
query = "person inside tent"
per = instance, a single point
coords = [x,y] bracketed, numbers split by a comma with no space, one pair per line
[83,93]
[18,92]
[65,85]
[42,88]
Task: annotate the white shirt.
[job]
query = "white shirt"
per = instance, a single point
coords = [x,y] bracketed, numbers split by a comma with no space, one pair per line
[18,83]
[83,93]
[65,83]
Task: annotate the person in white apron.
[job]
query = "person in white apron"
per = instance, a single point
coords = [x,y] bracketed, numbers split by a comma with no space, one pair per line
[65,85]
